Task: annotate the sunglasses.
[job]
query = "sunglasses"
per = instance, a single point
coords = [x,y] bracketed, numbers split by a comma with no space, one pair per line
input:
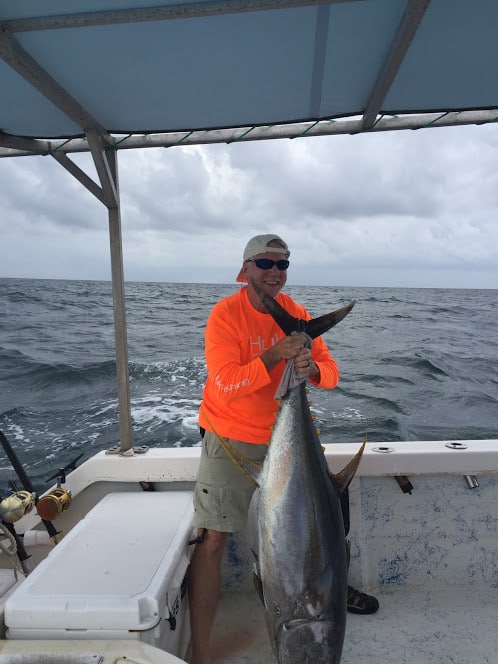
[267,263]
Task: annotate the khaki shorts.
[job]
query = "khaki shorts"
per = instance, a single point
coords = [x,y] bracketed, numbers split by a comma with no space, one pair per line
[223,492]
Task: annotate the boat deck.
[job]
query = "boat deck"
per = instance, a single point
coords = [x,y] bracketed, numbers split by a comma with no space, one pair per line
[450,626]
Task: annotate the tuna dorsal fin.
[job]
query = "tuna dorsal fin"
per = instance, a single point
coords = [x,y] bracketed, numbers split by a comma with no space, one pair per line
[313,328]
[344,477]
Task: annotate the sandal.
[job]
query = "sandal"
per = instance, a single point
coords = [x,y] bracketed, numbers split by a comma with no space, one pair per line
[361,603]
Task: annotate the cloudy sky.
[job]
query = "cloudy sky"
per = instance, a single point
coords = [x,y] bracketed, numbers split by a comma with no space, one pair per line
[410,208]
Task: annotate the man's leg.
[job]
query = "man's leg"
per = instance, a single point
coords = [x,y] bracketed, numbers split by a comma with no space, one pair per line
[204,590]
[221,500]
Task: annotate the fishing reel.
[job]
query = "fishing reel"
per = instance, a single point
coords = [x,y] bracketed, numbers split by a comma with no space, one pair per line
[56,501]
[17,505]
[53,504]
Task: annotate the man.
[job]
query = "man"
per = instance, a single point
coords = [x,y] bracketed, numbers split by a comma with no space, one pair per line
[245,356]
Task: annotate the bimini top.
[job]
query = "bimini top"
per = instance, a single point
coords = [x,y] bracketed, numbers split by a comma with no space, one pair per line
[122,68]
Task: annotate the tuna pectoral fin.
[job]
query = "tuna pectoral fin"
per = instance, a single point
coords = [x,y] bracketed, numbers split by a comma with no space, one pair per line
[311,642]
[259,587]
[344,477]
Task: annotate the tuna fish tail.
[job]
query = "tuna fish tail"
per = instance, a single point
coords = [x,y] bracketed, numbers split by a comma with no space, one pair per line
[320,325]
[289,324]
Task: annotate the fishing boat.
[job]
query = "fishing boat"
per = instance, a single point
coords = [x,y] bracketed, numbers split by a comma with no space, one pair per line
[95,569]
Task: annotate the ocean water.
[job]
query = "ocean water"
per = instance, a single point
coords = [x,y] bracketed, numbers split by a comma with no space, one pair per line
[416,364]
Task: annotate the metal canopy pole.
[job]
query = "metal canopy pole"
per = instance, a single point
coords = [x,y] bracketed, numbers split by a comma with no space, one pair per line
[410,23]
[108,194]
[162,12]
[100,143]
[15,146]
[118,296]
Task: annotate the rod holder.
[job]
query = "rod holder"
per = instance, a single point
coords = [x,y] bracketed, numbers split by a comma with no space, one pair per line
[471,481]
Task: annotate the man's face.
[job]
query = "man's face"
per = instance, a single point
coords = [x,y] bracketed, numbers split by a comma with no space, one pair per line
[270,281]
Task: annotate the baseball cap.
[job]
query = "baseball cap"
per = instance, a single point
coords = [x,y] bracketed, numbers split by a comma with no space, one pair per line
[259,245]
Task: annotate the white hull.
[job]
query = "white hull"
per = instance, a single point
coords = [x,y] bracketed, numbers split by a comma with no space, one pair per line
[82,652]
[431,558]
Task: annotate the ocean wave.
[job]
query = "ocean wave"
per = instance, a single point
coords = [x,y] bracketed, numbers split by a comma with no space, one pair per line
[370,401]
[427,367]
[415,364]
[19,296]
[380,380]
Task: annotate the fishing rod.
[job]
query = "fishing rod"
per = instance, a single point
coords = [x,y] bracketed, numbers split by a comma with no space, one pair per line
[54,534]
[13,545]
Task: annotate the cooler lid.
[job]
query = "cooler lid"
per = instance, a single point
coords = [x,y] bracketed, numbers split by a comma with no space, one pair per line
[113,569]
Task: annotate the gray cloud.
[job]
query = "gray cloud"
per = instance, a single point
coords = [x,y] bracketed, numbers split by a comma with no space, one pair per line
[405,208]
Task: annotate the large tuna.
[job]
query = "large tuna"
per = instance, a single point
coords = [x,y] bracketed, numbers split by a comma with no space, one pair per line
[301,558]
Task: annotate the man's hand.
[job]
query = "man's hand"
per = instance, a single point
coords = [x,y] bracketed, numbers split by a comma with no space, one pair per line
[292,347]
[305,366]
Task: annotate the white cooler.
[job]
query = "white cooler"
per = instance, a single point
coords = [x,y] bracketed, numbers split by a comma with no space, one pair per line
[120,573]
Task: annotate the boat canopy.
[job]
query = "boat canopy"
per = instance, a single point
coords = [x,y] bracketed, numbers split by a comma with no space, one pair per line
[130,71]
[106,75]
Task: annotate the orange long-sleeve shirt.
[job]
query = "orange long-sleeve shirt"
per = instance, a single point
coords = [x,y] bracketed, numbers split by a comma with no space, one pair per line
[238,400]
